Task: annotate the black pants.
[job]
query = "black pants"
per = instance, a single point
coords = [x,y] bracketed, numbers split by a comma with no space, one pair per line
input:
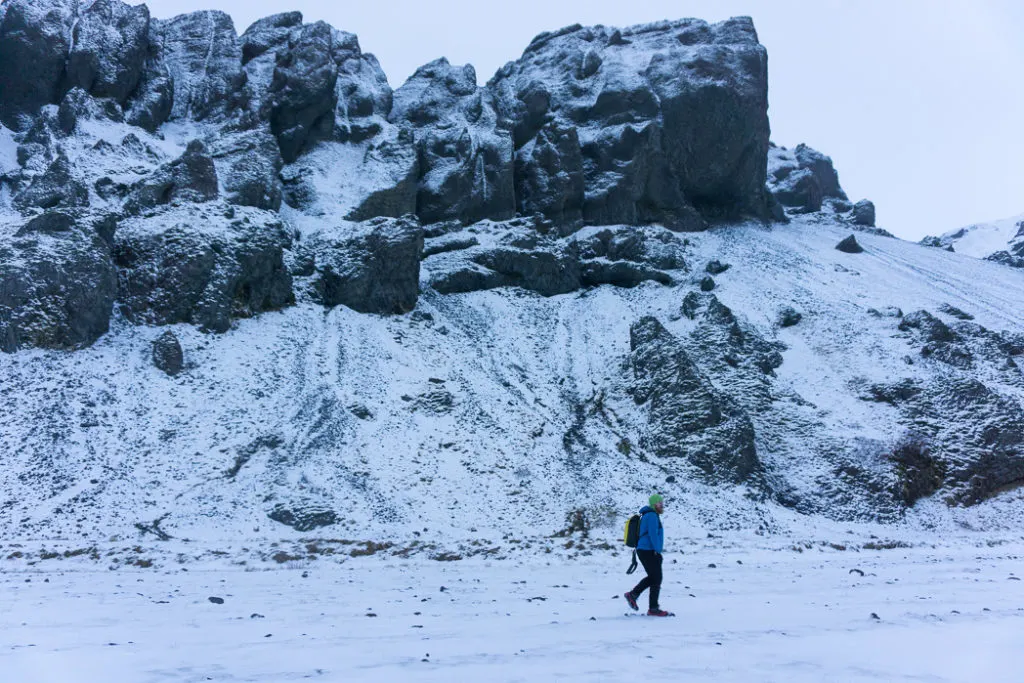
[652,565]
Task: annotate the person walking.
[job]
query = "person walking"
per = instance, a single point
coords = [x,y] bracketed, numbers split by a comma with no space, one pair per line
[648,548]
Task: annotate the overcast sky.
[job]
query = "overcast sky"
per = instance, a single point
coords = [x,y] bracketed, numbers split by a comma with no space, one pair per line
[920,103]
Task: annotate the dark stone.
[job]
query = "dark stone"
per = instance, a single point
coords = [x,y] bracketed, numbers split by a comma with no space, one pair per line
[716,267]
[648,156]
[651,246]
[35,36]
[955,312]
[302,91]
[110,44]
[688,417]
[268,33]
[153,100]
[864,213]
[707,283]
[303,518]
[371,267]
[549,175]
[78,105]
[643,103]
[620,274]
[56,188]
[691,304]
[48,223]
[850,245]
[821,166]
[443,245]
[186,265]
[203,59]
[466,168]
[167,353]
[192,177]
[248,164]
[789,316]
[57,286]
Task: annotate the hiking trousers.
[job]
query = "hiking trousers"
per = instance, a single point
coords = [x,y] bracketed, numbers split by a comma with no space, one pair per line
[652,565]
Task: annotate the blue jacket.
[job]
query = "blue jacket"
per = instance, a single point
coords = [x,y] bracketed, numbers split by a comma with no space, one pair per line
[652,534]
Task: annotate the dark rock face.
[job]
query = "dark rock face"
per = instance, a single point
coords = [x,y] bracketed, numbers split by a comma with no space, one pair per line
[185,265]
[549,175]
[110,43]
[688,417]
[849,245]
[153,100]
[35,35]
[373,267]
[192,177]
[864,213]
[669,116]
[249,165]
[57,286]
[302,90]
[167,353]
[466,169]
[523,257]
[57,187]
[204,61]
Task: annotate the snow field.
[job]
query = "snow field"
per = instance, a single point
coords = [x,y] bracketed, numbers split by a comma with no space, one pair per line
[763,612]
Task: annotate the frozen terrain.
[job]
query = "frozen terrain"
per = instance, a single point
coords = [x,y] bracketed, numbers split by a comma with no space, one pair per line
[783,609]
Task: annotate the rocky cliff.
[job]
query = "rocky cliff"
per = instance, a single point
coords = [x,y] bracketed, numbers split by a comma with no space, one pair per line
[296,294]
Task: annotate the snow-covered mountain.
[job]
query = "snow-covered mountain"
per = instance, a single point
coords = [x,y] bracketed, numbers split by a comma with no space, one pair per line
[247,289]
[1000,241]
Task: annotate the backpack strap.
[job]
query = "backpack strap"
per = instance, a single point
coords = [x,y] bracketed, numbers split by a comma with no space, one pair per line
[632,565]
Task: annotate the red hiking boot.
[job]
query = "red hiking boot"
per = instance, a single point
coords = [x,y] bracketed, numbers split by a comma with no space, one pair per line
[631,600]
[659,613]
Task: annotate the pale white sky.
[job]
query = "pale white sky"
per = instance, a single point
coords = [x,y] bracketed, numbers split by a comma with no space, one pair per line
[920,103]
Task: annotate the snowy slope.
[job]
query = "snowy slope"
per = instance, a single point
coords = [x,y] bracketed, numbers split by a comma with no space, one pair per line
[984,239]
[481,415]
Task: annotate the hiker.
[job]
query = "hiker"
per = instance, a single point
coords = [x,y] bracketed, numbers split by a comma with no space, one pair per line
[648,548]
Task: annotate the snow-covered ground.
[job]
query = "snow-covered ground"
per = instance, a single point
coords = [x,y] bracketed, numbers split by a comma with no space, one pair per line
[748,608]
[983,239]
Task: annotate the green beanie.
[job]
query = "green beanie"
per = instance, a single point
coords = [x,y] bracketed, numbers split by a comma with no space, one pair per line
[655,499]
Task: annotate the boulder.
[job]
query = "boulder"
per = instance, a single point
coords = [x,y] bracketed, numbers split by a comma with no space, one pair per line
[803,179]
[57,285]
[192,177]
[653,246]
[664,123]
[167,353]
[371,267]
[191,264]
[864,213]
[687,417]
[203,58]
[110,44]
[57,187]
[78,105]
[850,245]
[466,168]
[789,316]
[821,167]
[35,35]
